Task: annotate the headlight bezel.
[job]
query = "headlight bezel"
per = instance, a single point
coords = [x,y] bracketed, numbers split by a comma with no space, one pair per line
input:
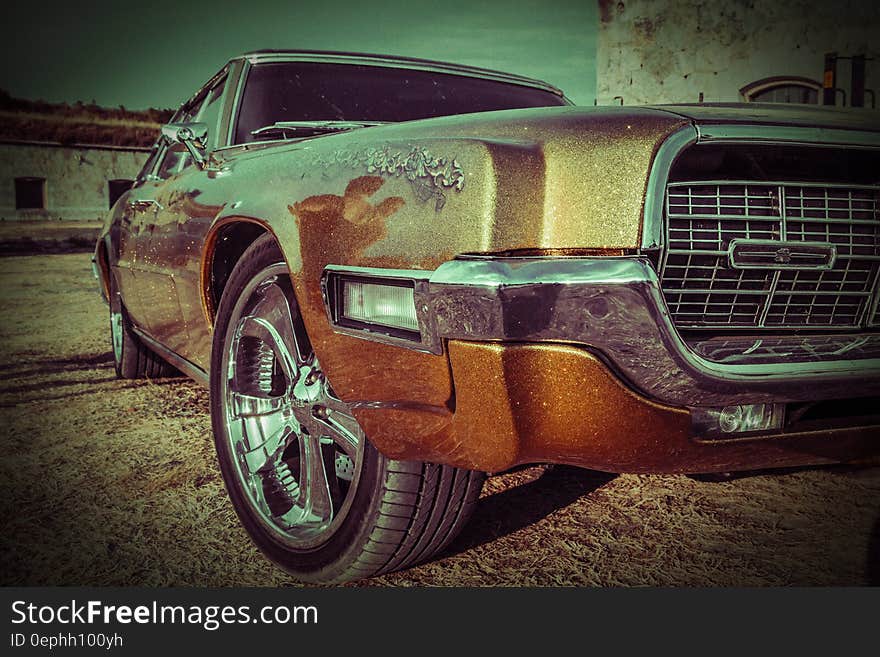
[333,282]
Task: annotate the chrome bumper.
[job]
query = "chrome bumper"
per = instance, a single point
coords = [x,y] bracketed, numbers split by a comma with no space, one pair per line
[614,307]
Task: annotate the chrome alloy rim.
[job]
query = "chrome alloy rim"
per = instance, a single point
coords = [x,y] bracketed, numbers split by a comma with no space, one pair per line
[296,448]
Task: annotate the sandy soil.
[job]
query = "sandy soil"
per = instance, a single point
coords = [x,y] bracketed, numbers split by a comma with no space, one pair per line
[108,482]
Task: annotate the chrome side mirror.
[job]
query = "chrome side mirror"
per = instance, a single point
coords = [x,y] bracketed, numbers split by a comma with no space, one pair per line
[192,135]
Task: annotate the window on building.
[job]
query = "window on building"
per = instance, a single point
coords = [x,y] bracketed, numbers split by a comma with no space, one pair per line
[116,188]
[782,90]
[30,193]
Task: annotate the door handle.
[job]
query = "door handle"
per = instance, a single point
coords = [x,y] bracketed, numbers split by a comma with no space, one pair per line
[145,204]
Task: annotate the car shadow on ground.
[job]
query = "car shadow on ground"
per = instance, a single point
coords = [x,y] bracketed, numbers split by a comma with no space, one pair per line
[513,509]
[833,468]
[50,379]
[48,385]
[43,366]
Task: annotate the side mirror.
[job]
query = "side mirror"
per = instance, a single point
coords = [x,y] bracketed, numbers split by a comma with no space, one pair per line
[192,135]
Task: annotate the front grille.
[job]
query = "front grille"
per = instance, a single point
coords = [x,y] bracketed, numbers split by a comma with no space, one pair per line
[704,289]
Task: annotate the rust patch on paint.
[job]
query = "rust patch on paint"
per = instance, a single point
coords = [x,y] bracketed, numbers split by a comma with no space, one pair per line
[338,229]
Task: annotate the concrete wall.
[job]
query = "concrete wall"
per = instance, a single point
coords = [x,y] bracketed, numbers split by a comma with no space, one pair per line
[661,51]
[76,178]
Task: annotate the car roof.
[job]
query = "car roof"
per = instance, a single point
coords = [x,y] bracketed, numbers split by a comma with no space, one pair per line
[394,61]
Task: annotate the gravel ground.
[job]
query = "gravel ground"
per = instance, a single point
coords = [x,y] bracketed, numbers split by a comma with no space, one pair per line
[108,482]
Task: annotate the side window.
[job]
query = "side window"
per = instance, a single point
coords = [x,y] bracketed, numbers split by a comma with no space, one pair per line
[151,161]
[210,112]
[174,160]
[174,157]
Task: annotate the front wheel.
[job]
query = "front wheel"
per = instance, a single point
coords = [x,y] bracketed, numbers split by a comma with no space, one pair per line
[313,493]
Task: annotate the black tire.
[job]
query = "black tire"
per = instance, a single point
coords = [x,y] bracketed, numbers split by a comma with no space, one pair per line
[131,358]
[399,513]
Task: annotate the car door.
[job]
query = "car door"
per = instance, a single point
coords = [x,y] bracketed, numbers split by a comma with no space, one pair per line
[153,279]
[127,231]
[180,220]
[202,199]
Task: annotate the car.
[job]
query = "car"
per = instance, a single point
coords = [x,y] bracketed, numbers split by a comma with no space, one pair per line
[397,275]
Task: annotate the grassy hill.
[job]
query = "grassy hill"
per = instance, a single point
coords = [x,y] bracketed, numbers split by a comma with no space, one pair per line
[78,123]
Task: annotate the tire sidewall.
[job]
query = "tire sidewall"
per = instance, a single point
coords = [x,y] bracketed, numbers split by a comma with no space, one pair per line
[329,561]
[127,362]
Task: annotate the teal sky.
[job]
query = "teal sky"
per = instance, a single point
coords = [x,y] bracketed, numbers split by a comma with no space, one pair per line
[157,56]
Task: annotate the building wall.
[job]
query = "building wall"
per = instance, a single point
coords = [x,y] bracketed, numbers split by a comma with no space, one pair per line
[76,177]
[667,51]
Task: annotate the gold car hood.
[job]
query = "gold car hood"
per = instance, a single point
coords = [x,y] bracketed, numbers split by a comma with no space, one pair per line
[562,177]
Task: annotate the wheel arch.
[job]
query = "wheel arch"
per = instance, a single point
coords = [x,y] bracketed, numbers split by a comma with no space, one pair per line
[102,266]
[224,246]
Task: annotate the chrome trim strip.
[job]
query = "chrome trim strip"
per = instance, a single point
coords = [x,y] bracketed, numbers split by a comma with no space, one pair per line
[655,194]
[778,134]
[192,370]
[614,306]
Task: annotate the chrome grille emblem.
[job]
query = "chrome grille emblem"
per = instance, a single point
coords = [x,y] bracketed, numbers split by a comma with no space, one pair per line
[771,254]
[783,256]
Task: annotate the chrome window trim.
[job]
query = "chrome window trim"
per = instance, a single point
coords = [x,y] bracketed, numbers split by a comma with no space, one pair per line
[233,80]
[236,103]
[613,306]
[198,97]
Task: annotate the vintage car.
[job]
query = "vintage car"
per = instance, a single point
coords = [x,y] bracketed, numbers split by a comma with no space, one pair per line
[396,275]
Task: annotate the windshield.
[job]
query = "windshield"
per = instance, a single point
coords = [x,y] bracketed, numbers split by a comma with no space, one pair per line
[308,91]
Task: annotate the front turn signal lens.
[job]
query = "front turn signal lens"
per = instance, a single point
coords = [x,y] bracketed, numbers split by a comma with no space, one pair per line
[384,304]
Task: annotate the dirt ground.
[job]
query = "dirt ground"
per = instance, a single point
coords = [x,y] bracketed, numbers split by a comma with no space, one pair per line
[108,482]
[47,236]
